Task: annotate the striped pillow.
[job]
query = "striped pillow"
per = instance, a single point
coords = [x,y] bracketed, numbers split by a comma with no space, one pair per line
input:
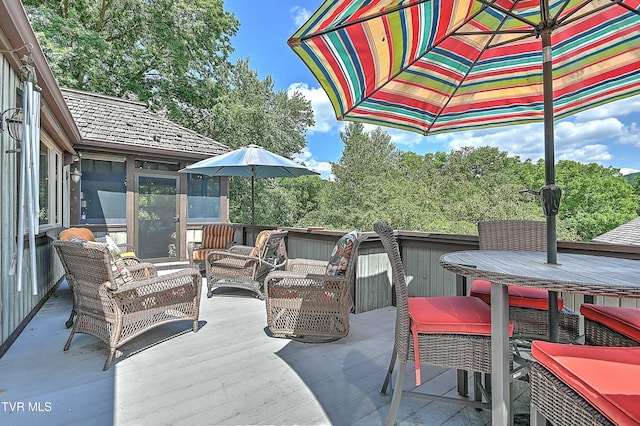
[216,236]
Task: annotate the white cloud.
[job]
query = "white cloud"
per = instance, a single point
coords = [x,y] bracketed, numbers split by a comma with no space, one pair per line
[619,108]
[300,15]
[322,110]
[323,167]
[628,171]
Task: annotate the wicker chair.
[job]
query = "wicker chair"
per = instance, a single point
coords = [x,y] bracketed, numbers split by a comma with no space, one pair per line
[311,300]
[116,305]
[584,385]
[611,325]
[450,331]
[528,306]
[246,267]
[218,236]
[127,252]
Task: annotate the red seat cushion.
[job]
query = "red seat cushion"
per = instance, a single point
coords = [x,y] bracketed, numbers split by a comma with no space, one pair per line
[604,376]
[448,315]
[625,321]
[522,297]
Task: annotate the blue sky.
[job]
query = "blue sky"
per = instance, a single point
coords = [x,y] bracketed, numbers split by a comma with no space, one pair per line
[608,135]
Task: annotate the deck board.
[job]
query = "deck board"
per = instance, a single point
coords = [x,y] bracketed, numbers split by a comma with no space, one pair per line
[229,372]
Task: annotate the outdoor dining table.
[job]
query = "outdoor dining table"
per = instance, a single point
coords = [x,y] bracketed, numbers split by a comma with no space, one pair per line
[573,273]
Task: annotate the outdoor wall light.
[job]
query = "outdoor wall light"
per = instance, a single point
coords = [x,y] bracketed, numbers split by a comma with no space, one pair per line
[76,175]
[14,123]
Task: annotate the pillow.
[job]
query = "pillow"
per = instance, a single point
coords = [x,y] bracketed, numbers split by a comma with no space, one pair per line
[121,275]
[341,254]
[216,236]
[261,240]
[79,233]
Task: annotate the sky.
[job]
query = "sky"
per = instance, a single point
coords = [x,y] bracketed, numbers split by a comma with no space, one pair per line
[608,135]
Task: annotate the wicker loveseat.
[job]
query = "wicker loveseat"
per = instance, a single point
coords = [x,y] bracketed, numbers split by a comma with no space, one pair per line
[116,305]
[311,299]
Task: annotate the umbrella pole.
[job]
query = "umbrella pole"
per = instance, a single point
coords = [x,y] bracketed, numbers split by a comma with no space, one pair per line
[253,207]
[549,197]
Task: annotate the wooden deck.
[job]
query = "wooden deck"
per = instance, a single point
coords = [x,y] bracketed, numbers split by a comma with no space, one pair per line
[230,372]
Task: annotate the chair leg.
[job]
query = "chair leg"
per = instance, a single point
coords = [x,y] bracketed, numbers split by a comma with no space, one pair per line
[397,394]
[387,378]
[107,363]
[66,346]
[195,326]
[477,383]
[536,418]
[69,322]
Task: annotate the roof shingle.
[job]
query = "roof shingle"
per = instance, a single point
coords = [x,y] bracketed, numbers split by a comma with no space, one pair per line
[131,124]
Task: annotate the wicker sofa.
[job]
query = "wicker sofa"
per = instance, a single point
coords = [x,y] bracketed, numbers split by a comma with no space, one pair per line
[115,304]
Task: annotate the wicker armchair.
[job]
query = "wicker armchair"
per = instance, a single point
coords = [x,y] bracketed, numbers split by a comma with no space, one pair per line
[218,236]
[449,331]
[311,300]
[576,385]
[116,303]
[528,306]
[246,267]
[126,251]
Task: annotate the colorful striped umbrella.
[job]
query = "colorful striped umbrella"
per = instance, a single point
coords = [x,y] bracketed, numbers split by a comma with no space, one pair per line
[434,66]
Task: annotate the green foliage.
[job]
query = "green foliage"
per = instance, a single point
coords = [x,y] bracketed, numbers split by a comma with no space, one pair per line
[595,199]
[452,192]
[165,52]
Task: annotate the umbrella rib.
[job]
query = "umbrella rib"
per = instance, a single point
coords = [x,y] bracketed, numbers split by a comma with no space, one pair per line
[292,42]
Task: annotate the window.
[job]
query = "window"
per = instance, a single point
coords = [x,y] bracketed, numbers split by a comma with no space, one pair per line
[50,186]
[203,198]
[103,197]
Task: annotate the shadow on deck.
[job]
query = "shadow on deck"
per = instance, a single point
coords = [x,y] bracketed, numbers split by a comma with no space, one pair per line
[230,372]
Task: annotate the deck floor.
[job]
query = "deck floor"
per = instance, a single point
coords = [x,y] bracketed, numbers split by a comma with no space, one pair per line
[230,372]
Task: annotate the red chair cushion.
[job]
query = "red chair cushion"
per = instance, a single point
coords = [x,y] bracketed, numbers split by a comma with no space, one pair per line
[448,315]
[522,297]
[604,376]
[625,321]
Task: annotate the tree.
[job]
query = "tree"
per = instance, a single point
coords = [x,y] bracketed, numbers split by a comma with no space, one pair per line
[163,52]
[252,111]
[360,193]
[595,199]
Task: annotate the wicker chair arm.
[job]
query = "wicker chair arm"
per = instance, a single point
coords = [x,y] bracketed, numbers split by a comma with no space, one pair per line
[175,280]
[294,279]
[224,254]
[241,249]
[125,247]
[142,271]
[307,266]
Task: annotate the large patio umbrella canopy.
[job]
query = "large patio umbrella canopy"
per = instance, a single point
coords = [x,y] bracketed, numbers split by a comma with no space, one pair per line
[448,65]
[250,161]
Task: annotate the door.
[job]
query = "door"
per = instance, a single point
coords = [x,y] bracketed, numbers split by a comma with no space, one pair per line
[157,219]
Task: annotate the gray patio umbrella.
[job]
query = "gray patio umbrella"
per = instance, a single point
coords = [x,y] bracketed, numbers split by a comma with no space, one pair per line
[250,161]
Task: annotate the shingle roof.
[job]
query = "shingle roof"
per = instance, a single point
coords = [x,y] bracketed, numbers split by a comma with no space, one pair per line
[627,234]
[108,120]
